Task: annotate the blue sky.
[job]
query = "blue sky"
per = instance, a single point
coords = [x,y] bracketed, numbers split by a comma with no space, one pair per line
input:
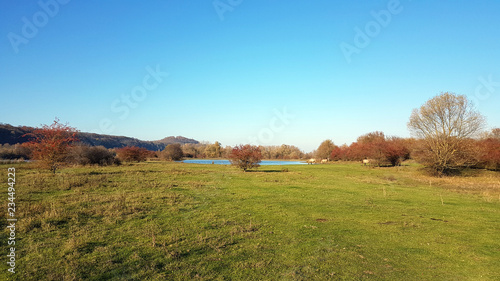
[240,71]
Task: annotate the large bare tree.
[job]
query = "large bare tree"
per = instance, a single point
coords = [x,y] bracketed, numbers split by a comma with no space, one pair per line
[445,124]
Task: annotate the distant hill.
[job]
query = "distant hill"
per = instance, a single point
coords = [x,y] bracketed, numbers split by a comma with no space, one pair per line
[178,139]
[12,135]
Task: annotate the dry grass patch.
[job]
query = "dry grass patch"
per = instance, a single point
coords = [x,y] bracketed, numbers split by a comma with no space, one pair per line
[477,182]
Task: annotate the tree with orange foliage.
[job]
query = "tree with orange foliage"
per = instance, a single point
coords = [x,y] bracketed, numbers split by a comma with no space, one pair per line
[396,150]
[51,144]
[246,156]
[133,154]
[494,134]
[490,153]
[339,153]
[372,146]
[390,151]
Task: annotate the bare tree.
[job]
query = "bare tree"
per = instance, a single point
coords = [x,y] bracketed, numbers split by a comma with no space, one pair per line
[445,124]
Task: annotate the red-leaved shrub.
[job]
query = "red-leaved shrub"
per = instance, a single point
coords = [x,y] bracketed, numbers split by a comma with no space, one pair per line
[246,156]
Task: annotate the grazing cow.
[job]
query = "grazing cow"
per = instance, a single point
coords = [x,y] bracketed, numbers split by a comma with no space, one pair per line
[324,161]
[311,161]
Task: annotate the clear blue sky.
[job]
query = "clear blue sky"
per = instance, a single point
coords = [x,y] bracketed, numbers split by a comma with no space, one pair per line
[234,68]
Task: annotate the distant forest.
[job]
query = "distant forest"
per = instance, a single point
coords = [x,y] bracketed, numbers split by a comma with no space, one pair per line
[12,139]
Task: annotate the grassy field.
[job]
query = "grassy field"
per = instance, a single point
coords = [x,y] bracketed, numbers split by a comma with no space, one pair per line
[174,221]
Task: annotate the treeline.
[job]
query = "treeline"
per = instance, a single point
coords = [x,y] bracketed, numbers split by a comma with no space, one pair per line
[175,152]
[448,136]
[376,147]
[89,148]
[83,154]
[14,152]
[215,150]
[380,150]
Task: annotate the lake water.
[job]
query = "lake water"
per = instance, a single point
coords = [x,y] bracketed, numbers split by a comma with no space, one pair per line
[226,162]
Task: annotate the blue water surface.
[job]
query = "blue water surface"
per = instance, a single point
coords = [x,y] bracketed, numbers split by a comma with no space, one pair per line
[226,162]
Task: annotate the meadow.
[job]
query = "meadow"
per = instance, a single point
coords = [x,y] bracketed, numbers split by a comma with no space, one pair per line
[177,221]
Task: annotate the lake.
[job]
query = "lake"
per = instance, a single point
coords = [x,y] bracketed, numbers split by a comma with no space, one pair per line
[226,162]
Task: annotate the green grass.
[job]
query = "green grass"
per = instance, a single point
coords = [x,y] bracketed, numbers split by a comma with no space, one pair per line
[173,221]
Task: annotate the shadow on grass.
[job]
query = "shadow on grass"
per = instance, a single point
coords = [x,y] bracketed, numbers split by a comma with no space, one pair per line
[267,171]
